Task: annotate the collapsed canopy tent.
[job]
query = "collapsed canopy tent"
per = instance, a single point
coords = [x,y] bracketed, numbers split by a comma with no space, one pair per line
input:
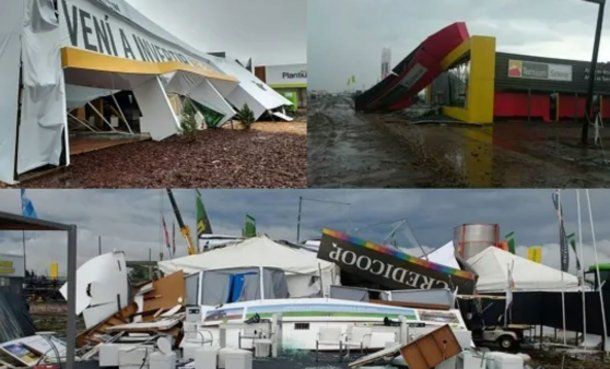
[302,268]
[251,91]
[492,265]
[107,46]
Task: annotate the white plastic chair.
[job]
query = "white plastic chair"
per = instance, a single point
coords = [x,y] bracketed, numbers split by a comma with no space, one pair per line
[358,337]
[329,336]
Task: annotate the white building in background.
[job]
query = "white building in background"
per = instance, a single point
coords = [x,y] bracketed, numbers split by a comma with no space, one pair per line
[290,80]
[386,62]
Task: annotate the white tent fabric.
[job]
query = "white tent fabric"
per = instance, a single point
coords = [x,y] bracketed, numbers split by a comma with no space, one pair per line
[201,90]
[299,265]
[43,104]
[251,90]
[444,255]
[492,265]
[10,54]
[78,96]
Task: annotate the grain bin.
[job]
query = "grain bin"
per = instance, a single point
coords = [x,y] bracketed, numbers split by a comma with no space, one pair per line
[470,239]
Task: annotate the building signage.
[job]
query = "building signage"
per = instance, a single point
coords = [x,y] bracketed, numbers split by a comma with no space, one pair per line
[93,28]
[389,267]
[543,71]
[290,74]
[414,75]
[11,266]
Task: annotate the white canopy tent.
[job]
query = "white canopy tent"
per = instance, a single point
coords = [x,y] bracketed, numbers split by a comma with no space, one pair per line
[300,266]
[492,265]
[444,255]
[104,45]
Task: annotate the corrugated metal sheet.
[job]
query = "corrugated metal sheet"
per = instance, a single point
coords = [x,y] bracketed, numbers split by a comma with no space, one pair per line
[578,84]
[16,321]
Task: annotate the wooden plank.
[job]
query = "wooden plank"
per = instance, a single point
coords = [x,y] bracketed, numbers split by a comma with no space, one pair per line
[431,349]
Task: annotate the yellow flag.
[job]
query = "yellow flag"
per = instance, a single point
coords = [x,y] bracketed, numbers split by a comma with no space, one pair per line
[534,253]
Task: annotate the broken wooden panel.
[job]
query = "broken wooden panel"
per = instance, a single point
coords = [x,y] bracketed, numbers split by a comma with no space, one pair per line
[431,349]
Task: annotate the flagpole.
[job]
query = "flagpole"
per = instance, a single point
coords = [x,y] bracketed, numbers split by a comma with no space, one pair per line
[582,270]
[23,243]
[561,236]
[599,290]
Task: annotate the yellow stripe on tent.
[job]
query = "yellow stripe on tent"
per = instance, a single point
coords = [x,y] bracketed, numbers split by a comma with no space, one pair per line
[88,60]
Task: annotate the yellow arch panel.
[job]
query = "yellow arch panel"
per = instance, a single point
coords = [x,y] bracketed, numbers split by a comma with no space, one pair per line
[88,60]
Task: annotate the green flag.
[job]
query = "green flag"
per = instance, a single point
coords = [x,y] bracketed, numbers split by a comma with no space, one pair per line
[203,223]
[512,242]
[571,238]
[249,227]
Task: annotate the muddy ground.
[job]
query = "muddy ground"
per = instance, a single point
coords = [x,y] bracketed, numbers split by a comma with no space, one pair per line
[270,155]
[350,149]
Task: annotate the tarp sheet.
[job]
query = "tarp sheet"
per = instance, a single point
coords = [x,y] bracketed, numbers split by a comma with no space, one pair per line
[492,266]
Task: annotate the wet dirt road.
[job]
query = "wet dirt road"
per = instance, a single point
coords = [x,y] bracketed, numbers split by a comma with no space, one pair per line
[350,149]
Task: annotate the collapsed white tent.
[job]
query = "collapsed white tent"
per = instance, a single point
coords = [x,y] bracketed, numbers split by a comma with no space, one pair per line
[492,265]
[105,45]
[299,265]
[251,90]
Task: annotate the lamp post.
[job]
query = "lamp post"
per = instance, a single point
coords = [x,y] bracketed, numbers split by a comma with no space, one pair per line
[593,70]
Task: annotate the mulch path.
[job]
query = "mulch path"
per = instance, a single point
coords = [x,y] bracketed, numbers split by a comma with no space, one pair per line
[270,155]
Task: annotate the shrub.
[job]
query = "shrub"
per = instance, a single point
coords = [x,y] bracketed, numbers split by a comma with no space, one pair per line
[188,123]
[246,116]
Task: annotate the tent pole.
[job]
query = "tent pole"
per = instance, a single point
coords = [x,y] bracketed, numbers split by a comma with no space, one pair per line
[299,219]
[582,270]
[121,115]
[599,289]
[18,123]
[71,331]
[82,122]
[101,116]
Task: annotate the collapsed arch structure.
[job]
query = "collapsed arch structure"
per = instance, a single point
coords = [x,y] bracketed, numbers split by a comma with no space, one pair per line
[57,55]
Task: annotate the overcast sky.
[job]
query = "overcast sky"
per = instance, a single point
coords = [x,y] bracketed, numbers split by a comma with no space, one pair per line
[129,220]
[269,31]
[345,37]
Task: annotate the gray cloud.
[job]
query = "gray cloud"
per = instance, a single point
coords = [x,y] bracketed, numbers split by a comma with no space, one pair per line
[269,31]
[345,37]
[129,220]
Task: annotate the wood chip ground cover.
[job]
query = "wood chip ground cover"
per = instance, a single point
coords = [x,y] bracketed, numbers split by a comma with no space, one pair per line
[270,155]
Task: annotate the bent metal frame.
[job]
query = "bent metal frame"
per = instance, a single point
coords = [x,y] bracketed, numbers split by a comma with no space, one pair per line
[12,222]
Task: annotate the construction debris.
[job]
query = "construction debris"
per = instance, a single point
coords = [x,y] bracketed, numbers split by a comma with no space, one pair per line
[155,310]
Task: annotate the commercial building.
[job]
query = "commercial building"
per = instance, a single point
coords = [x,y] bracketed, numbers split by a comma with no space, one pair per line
[519,87]
[475,83]
[290,80]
